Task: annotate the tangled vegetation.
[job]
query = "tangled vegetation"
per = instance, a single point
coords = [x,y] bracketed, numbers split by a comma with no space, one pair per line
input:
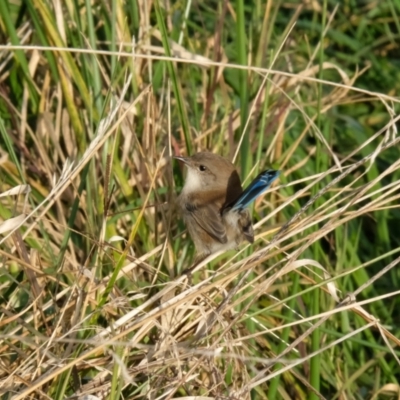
[95,97]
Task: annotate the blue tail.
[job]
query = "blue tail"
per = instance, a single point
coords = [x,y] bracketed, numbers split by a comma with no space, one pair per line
[257,187]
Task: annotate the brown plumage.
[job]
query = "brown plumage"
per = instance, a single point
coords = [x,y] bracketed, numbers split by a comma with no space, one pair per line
[212,185]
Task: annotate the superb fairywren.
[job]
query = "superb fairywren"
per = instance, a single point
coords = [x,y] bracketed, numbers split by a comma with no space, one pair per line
[213,202]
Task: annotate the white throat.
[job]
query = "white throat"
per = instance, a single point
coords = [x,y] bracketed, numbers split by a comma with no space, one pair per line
[193,181]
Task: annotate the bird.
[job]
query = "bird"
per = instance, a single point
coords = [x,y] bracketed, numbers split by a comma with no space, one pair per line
[214,205]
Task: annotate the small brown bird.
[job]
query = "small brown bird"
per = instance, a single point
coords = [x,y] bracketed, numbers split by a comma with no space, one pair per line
[213,203]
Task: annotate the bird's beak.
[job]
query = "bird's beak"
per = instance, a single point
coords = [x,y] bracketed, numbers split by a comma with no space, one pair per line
[185,160]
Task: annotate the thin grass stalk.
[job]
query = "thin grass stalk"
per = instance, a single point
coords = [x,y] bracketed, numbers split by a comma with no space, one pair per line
[241,40]
[173,76]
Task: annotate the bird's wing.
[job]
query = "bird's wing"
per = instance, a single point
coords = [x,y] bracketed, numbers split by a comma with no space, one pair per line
[209,218]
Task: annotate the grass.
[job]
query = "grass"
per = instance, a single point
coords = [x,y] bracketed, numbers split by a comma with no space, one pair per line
[94,100]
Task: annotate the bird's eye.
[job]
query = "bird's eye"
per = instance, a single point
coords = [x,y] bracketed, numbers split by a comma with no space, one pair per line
[202,168]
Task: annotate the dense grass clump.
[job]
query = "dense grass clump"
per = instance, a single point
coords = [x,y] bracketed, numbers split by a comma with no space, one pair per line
[95,97]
